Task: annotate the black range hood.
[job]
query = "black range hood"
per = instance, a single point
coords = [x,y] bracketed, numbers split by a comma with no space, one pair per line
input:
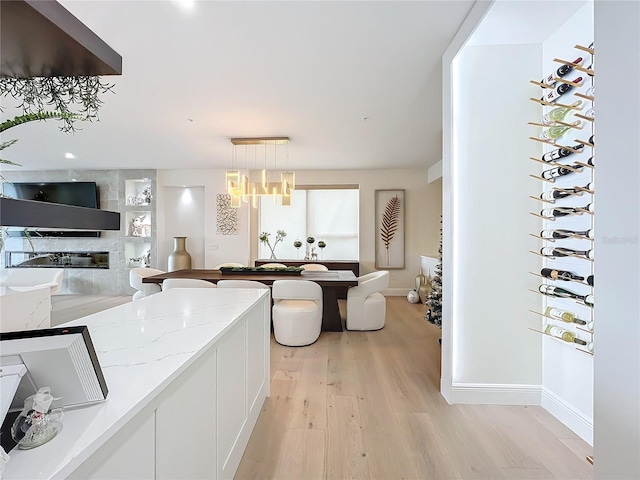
[41,38]
[29,213]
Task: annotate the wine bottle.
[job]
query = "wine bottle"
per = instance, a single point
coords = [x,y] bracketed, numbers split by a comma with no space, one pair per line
[558,113]
[557,193]
[560,72]
[563,211]
[560,274]
[556,131]
[563,315]
[565,252]
[559,292]
[560,153]
[565,335]
[557,92]
[556,172]
[590,280]
[552,195]
[560,233]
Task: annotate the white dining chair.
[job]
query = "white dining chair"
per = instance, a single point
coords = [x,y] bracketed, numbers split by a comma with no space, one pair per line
[241,284]
[143,289]
[274,265]
[297,312]
[314,266]
[170,283]
[228,264]
[366,306]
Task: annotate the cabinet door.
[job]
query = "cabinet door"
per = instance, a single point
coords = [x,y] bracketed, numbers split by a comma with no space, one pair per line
[185,426]
[133,458]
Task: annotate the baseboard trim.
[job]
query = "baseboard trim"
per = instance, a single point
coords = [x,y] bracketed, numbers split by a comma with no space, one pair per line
[515,394]
[495,394]
[567,414]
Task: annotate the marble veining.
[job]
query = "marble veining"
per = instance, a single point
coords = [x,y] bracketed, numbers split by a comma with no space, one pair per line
[24,308]
[142,347]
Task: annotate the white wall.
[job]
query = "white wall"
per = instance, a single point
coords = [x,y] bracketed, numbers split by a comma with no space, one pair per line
[568,374]
[617,244]
[493,351]
[217,248]
[183,210]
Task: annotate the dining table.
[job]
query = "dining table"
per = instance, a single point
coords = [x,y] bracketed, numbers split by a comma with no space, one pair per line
[330,281]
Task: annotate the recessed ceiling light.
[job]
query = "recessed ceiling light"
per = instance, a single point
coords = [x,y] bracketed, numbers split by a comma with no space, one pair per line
[190,119]
[74,179]
[186,4]
[365,118]
[69,155]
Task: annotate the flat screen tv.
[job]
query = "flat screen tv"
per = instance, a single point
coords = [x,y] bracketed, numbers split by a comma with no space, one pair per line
[80,194]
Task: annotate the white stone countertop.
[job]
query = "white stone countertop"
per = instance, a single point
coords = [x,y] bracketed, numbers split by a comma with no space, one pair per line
[142,347]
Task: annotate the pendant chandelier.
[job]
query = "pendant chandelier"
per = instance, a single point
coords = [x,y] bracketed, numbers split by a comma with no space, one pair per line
[261,180]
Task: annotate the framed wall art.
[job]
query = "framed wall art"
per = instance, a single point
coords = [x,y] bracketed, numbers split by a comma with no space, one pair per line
[390,208]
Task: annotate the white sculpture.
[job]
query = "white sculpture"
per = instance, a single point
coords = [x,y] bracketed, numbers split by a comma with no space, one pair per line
[137,228]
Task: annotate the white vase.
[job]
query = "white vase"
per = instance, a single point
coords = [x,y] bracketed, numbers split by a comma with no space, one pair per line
[179,259]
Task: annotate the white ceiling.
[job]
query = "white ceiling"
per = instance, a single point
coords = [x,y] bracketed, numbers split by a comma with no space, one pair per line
[307,70]
[510,21]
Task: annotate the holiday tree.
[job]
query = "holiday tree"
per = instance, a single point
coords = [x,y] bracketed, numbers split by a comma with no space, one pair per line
[434,300]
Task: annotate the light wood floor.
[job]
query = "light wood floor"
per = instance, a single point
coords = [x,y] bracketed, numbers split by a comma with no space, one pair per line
[367,405]
[71,307]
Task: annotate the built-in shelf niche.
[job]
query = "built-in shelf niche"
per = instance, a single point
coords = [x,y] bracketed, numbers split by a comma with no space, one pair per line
[137,254]
[138,192]
[138,224]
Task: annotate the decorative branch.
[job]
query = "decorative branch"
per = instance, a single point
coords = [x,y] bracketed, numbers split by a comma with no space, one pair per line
[60,92]
[31,117]
[390,221]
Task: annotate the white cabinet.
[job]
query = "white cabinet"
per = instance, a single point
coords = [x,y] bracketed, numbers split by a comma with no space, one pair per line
[186,426]
[198,426]
[132,458]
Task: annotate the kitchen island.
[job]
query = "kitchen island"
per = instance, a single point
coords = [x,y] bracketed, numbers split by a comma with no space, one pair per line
[187,372]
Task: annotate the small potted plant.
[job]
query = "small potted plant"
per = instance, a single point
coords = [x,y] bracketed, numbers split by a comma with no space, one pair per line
[310,241]
[321,245]
[264,238]
[297,244]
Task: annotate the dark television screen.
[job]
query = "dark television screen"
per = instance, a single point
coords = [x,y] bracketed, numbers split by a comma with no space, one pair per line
[80,194]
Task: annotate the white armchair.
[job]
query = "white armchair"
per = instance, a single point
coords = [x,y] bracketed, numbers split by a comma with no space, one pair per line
[241,284]
[143,289]
[297,312]
[228,264]
[314,266]
[274,265]
[366,306]
[32,277]
[186,283]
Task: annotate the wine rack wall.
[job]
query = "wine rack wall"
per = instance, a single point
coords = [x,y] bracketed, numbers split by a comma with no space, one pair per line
[565,200]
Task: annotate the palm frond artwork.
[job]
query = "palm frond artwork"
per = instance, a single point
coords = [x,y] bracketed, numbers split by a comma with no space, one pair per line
[390,223]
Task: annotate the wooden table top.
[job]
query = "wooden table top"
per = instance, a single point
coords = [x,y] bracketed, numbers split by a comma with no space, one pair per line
[330,278]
